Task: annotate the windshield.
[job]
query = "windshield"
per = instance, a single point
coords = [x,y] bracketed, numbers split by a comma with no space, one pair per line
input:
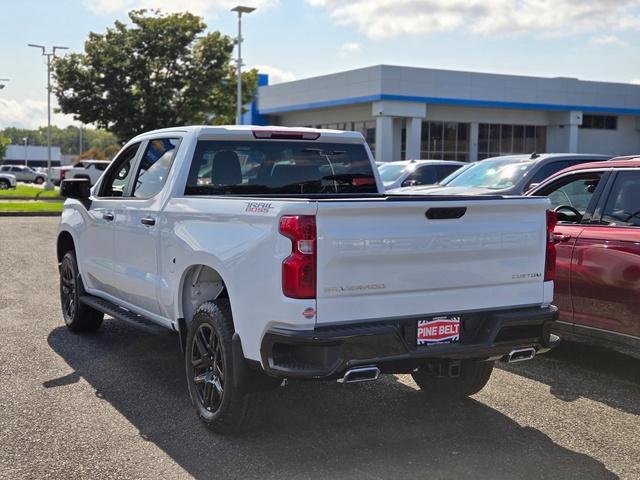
[279,167]
[493,174]
[390,172]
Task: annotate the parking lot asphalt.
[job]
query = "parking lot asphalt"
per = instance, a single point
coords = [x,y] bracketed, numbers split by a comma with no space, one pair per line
[114,404]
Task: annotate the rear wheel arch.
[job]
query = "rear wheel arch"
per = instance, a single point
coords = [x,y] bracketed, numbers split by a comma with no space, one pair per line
[199,284]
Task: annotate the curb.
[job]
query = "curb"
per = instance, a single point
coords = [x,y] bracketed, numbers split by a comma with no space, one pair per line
[36,199]
[30,214]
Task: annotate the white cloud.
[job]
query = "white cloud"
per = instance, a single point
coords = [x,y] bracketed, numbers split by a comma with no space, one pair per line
[393,18]
[29,114]
[199,7]
[275,74]
[635,81]
[606,40]
[349,48]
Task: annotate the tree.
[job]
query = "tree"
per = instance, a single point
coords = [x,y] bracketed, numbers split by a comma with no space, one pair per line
[159,72]
[68,139]
[4,142]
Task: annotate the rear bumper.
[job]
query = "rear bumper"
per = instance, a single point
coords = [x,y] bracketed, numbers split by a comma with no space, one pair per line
[327,352]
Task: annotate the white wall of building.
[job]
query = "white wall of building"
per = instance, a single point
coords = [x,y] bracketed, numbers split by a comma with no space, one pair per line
[623,141]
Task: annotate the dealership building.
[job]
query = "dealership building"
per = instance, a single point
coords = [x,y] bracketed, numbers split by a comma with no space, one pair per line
[407,113]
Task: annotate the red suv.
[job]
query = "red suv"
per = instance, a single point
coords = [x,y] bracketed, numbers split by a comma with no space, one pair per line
[597,286]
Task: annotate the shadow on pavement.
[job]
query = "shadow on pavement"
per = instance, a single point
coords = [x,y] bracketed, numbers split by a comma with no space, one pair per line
[574,370]
[382,429]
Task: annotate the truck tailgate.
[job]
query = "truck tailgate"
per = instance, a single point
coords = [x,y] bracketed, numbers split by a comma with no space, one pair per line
[380,259]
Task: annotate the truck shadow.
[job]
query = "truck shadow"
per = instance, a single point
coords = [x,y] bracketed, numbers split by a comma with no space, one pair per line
[575,370]
[382,429]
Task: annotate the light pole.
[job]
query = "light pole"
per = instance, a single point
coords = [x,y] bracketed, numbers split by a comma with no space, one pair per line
[26,162]
[80,142]
[49,55]
[240,9]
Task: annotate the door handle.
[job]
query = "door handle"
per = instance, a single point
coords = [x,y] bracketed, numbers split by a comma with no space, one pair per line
[108,216]
[148,221]
[561,237]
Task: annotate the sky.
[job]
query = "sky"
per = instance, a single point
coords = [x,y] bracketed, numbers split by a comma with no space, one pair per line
[293,39]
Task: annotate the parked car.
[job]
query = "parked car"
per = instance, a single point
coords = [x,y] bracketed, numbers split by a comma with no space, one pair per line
[89,169]
[58,173]
[508,175]
[598,266]
[409,173]
[24,174]
[300,270]
[7,181]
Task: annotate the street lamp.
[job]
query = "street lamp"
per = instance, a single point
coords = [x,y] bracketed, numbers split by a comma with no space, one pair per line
[26,162]
[49,55]
[240,9]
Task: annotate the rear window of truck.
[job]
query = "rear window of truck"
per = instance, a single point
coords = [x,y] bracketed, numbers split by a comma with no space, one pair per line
[279,167]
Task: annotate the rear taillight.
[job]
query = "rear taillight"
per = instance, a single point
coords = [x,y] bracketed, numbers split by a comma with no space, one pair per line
[550,258]
[62,172]
[299,268]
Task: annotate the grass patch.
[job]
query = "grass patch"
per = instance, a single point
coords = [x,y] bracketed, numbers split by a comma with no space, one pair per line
[23,190]
[31,206]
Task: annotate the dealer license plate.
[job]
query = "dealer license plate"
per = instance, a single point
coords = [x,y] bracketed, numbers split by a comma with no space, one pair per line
[437,330]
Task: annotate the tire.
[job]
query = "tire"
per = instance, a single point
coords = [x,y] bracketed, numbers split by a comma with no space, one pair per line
[4,185]
[77,317]
[39,181]
[474,375]
[209,368]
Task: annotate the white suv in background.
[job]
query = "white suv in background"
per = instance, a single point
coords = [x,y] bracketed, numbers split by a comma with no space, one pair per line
[7,181]
[23,173]
[89,169]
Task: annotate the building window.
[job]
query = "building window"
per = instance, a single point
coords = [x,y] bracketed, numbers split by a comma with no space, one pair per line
[600,122]
[445,141]
[496,139]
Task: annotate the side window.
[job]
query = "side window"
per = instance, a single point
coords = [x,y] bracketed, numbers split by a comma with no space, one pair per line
[118,176]
[445,170]
[16,169]
[573,195]
[623,204]
[101,166]
[155,166]
[547,170]
[422,176]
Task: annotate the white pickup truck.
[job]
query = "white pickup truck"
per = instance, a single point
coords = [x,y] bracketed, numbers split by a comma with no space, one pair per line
[275,254]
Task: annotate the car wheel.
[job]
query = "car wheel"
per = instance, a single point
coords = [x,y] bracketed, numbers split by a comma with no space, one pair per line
[78,317]
[39,180]
[209,367]
[474,375]
[4,184]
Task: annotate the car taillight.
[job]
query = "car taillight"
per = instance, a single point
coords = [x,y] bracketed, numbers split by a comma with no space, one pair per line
[62,172]
[299,268]
[550,258]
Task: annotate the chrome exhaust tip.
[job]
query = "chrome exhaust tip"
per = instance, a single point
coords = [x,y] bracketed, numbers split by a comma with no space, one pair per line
[520,355]
[360,374]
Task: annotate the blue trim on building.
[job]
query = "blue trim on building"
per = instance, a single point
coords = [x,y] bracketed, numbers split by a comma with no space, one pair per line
[252,116]
[448,101]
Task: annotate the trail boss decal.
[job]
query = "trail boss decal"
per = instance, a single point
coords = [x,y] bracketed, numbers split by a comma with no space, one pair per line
[438,330]
[258,207]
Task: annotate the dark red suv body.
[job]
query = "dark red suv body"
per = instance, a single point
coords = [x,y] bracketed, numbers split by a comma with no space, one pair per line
[597,286]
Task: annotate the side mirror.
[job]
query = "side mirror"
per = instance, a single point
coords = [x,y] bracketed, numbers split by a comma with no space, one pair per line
[79,188]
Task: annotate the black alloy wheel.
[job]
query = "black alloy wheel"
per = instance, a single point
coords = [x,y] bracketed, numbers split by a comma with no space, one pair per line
[207,367]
